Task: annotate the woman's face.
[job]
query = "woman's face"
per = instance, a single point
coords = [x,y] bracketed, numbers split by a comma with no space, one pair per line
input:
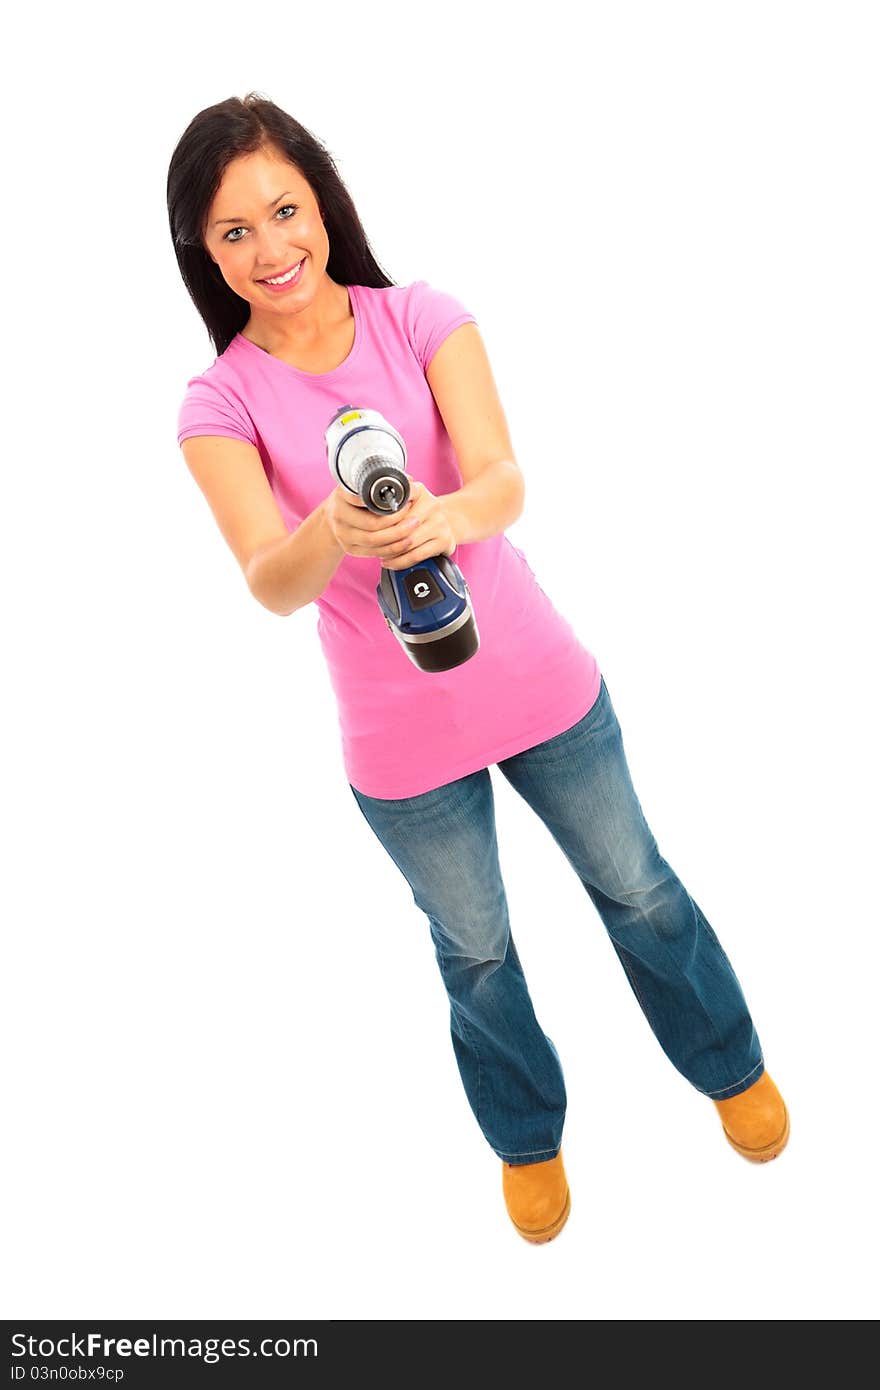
[262,220]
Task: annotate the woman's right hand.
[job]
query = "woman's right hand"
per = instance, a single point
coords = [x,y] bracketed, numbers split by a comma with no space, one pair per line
[361,532]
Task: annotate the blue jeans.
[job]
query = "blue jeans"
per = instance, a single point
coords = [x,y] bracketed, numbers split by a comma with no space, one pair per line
[444,843]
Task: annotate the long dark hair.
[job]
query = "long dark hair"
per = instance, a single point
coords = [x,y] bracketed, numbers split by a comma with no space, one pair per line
[210,142]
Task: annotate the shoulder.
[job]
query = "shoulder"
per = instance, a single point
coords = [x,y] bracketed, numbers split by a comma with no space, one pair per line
[431,315]
[215,401]
[420,313]
[410,302]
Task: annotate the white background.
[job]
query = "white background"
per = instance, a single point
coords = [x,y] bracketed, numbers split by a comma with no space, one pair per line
[229,1084]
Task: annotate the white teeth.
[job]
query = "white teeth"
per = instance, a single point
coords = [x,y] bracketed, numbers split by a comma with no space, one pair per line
[283,279]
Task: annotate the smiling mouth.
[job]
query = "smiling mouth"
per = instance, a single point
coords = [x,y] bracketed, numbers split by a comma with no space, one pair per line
[267,279]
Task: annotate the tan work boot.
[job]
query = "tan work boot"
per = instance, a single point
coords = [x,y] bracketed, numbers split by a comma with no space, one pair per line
[756,1121]
[537,1198]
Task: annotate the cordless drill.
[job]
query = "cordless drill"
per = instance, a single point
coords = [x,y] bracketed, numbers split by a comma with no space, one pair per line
[427,606]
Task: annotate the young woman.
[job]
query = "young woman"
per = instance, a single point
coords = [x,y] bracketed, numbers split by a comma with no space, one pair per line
[303,321]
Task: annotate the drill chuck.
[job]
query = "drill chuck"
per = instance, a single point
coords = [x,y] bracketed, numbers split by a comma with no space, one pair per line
[368,456]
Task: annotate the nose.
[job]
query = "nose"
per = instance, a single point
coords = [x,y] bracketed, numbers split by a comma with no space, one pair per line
[272,247]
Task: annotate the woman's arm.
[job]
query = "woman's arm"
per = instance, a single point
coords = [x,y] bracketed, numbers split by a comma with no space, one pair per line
[284,569]
[493,491]
[291,572]
[489,503]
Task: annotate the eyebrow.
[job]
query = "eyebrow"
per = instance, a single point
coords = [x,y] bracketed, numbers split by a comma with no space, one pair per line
[286,194]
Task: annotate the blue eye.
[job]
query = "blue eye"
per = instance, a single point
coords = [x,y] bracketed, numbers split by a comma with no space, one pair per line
[228,235]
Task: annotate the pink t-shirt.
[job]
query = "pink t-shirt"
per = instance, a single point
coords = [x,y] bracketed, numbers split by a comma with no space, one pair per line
[404,731]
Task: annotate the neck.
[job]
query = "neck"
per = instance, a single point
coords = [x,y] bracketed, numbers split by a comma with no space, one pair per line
[302,327]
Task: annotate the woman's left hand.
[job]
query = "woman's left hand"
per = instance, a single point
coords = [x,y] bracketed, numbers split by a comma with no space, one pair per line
[431,533]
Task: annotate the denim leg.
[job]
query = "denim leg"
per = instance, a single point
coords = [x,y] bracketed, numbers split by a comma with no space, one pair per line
[444,843]
[579,784]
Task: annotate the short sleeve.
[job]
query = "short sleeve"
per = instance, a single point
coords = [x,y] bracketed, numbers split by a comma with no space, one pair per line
[433,314]
[206,409]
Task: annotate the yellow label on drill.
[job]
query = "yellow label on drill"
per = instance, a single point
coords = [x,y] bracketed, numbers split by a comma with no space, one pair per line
[352,415]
